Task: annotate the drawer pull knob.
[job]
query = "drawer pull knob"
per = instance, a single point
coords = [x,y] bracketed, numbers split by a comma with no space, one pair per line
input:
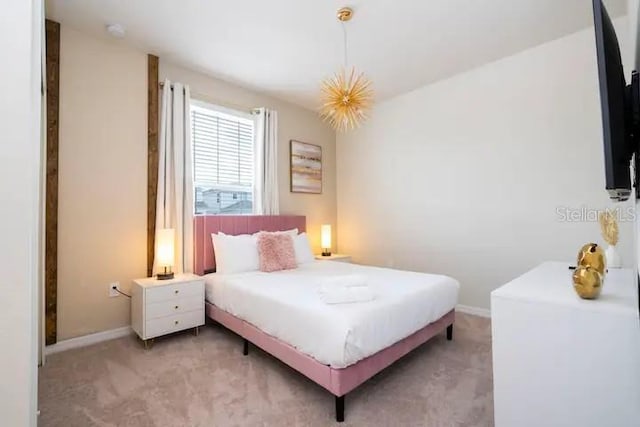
[176,291]
[176,307]
[176,322]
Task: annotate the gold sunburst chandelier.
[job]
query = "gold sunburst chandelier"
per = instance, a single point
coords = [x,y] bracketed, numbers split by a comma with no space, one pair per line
[347,96]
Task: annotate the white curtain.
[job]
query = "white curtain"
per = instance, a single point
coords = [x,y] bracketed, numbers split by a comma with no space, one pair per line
[265,197]
[174,205]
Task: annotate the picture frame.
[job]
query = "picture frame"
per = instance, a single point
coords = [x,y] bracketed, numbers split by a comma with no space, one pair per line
[305,167]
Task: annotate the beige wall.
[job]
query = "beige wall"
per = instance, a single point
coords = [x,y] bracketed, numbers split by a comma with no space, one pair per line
[102,187]
[471,176]
[102,196]
[293,123]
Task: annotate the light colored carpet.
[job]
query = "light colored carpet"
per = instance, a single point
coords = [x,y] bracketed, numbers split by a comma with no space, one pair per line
[206,381]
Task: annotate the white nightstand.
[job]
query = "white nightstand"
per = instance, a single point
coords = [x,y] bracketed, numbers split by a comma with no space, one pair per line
[334,257]
[160,307]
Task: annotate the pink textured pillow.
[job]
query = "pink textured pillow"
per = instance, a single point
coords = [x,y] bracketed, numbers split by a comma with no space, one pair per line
[276,252]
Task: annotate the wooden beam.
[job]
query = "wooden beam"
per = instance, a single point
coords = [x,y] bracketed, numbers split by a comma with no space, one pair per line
[152,156]
[52,35]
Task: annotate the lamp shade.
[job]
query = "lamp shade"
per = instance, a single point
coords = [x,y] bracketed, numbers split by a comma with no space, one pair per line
[165,240]
[325,236]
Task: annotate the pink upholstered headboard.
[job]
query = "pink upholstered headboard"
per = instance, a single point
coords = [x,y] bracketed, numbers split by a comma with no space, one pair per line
[205,225]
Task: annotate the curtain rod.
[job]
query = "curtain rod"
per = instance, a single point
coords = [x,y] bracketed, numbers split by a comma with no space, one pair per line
[235,107]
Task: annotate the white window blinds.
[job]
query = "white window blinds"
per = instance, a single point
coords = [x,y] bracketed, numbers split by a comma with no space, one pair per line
[223,160]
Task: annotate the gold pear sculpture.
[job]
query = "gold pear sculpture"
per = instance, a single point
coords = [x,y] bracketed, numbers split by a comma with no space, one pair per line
[587,282]
[588,277]
[592,255]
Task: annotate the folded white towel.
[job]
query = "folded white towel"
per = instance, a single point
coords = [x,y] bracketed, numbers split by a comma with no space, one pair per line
[344,281]
[346,294]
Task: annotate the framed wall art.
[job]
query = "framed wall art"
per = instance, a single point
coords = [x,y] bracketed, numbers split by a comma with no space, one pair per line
[306,167]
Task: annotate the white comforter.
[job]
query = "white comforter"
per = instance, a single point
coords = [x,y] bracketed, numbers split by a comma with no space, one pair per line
[287,305]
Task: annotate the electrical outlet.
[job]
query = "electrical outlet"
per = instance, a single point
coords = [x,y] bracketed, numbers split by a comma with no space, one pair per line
[113,289]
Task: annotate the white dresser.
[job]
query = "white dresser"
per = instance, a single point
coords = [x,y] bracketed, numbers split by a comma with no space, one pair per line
[562,361]
[160,307]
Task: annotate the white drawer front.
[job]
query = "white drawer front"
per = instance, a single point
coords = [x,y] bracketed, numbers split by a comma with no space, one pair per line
[169,324]
[174,306]
[174,292]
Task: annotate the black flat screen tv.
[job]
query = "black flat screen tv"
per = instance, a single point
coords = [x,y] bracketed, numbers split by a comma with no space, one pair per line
[620,107]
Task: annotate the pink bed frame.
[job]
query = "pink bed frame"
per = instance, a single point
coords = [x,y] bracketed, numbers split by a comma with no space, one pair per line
[338,381]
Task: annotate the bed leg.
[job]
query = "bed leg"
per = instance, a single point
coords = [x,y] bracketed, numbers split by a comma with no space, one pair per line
[449,332]
[245,348]
[340,409]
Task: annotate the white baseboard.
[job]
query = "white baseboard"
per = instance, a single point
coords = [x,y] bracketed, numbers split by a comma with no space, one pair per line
[476,311]
[86,340]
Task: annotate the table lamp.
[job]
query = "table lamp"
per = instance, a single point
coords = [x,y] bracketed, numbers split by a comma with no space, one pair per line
[325,239]
[165,240]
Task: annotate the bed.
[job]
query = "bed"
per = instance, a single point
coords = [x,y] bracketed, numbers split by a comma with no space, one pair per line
[337,346]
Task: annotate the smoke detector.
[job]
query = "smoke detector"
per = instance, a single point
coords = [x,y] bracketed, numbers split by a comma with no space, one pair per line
[116,30]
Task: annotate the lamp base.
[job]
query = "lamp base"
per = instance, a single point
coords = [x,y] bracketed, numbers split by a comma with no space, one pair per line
[326,252]
[164,276]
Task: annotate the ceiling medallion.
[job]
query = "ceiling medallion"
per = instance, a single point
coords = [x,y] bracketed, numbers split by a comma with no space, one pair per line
[347,96]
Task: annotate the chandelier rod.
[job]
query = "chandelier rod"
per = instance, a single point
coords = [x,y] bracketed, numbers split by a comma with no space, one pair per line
[344,37]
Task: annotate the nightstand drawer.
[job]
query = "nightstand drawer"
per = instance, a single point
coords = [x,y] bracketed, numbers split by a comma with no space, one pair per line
[174,306]
[173,292]
[178,322]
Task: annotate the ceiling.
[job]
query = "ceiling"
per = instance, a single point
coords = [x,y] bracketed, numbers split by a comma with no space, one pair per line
[285,47]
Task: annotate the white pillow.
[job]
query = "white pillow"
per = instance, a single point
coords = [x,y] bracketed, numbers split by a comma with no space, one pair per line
[293,232]
[235,254]
[303,249]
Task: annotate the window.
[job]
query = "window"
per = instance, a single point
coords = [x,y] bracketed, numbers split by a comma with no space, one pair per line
[223,160]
